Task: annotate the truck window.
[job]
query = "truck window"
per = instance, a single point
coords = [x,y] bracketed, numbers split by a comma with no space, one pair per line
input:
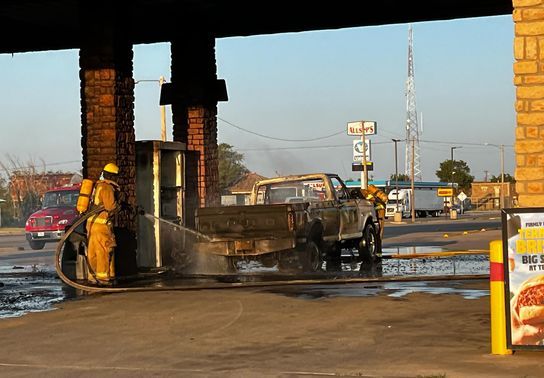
[339,188]
[67,198]
[291,192]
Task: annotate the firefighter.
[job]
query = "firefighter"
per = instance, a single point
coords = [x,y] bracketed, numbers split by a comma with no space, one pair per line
[101,239]
[379,199]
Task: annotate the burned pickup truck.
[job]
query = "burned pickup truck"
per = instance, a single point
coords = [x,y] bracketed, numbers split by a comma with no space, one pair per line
[292,220]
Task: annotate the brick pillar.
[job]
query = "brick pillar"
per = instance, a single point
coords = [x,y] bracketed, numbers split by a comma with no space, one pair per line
[529,80]
[107,128]
[195,120]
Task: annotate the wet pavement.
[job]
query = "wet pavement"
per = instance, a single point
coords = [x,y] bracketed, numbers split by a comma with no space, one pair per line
[30,287]
[35,288]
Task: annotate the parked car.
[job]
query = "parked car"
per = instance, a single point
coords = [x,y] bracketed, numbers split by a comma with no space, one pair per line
[58,211]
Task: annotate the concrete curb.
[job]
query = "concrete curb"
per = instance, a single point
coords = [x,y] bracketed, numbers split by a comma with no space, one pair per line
[11,249]
[12,232]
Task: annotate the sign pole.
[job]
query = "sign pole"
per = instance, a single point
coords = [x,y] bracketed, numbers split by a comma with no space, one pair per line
[364,172]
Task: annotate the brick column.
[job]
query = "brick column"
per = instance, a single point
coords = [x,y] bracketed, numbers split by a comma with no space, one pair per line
[529,80]
[107,129]
[194,119]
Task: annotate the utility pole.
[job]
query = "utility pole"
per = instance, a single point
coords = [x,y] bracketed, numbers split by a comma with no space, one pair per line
[396,174]
[364,172]
[501,149]
[163,109]
[163,114]
[452,172]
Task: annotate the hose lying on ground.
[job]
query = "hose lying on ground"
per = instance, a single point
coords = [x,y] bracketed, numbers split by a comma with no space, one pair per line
[88,288]
[60,245]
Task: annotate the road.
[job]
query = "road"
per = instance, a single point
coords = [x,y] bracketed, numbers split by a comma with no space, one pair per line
[424,233]
[14,250]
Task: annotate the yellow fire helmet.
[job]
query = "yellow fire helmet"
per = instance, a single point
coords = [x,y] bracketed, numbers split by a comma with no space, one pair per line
[111,168]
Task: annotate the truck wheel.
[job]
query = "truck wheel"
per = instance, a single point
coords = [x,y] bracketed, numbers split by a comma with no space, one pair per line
[312,257]
[288,260]
[36,244]
[369,245]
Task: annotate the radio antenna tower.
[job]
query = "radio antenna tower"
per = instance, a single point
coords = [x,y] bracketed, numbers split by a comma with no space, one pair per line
[412,127]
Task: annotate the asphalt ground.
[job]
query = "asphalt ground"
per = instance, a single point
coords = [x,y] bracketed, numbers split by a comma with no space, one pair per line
[376,329]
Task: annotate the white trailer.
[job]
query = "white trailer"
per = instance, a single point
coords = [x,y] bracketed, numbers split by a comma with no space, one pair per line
[426,201]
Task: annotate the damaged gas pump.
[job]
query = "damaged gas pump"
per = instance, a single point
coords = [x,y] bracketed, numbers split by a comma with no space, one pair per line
[163,203]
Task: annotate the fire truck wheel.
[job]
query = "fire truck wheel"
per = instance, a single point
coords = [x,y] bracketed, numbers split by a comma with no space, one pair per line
[36,244]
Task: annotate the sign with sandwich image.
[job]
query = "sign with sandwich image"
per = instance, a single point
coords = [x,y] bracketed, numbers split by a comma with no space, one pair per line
[523,256]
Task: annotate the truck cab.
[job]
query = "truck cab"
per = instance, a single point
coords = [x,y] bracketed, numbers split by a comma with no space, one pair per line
[398,202]
[58,211]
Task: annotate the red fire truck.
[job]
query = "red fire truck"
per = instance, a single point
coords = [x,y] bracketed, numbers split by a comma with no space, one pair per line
[58,211]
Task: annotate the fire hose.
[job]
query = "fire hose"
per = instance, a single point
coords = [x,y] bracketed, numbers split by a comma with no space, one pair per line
[228,285]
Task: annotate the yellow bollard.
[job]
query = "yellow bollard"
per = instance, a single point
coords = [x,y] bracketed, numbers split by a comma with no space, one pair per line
[496,290]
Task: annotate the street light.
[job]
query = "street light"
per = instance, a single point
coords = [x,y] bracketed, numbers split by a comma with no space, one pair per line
[452,171]
[501,150]
[161,81]
[396,173]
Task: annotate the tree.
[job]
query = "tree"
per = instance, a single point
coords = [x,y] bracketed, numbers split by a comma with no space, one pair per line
[7,208]
[23,185]
[507,178]
[461,173]
[231,167]
[400,177]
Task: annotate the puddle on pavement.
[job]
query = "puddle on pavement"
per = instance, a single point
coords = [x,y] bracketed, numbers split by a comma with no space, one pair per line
[392,289]
[350,265]
[25,289]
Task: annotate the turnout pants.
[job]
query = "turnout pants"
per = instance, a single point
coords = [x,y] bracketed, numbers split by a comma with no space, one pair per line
[101,244]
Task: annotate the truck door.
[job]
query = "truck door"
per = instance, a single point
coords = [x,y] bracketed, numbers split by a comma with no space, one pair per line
[347,211]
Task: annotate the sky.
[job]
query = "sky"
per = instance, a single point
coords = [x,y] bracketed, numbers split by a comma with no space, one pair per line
[288,93]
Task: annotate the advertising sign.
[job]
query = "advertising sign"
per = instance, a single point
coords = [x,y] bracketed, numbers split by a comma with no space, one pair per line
[356,127]
[358,150]
[358,167]
[444,192]
[523,256]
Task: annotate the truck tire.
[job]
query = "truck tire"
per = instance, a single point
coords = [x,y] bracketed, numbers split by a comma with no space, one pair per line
[312,257]
[36,244]
[369,248]
[305,258]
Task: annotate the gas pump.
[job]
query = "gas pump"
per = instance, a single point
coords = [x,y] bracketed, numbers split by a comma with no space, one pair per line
[160,195]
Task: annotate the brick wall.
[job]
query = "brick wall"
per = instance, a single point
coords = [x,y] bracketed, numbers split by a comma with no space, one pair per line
[528,18]
[194,121]
[107,119]
[202,137]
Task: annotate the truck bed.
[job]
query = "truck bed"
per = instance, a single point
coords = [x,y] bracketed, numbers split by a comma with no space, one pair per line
[246,230]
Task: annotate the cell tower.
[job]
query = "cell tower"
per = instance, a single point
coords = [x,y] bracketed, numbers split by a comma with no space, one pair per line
[412,128]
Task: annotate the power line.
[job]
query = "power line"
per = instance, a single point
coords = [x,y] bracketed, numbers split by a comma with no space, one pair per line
[280,139]
[462,143]
[45,165]
[302,147]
